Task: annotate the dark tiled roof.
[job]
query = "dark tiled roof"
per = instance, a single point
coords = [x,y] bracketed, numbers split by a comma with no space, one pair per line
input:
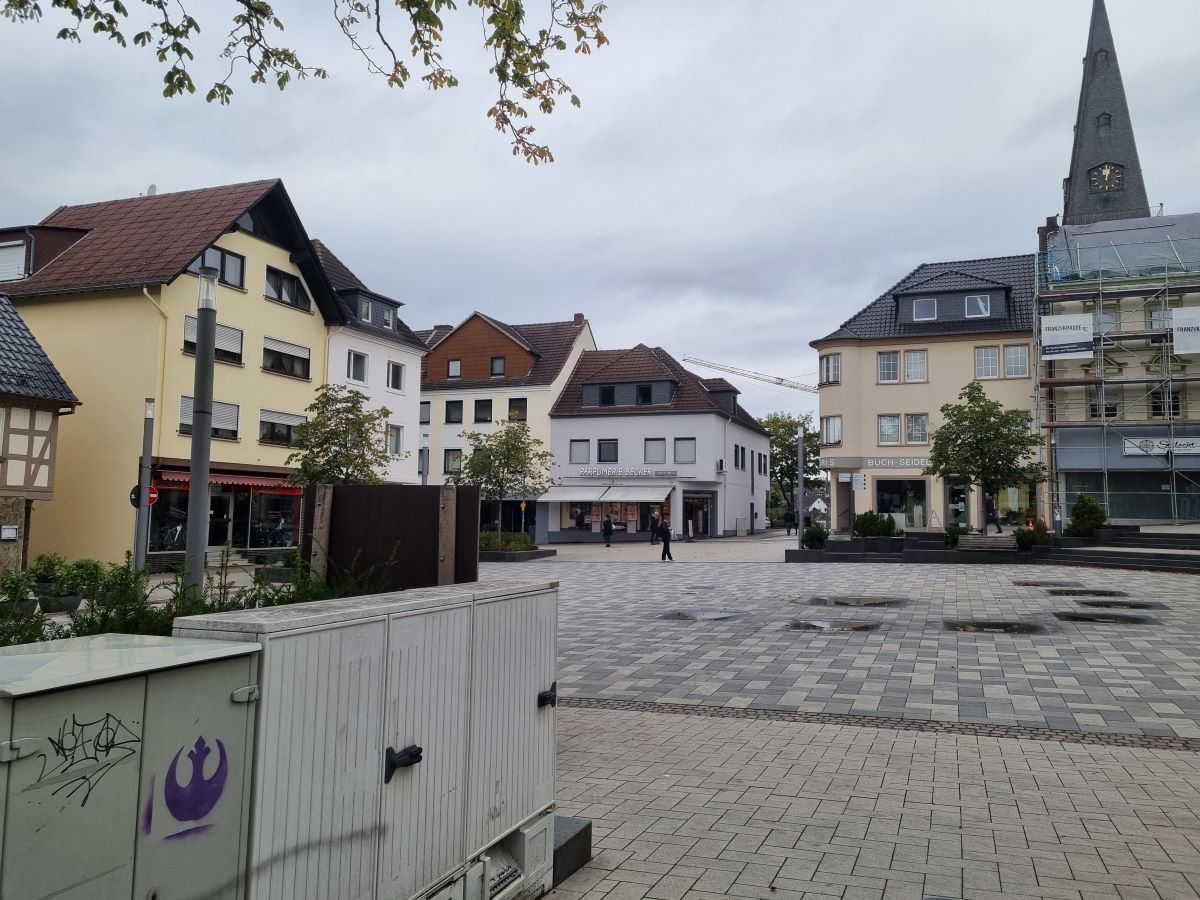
[25,369]
[878,319]
[952,280]
[550,341]
[139,240]
[345,284]
[718,384]
[432,335]
[642,363]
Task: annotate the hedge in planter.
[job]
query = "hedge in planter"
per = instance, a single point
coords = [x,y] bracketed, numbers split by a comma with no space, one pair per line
[1087,515]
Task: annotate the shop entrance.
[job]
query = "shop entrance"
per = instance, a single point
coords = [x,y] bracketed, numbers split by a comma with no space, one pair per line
[957,494]
[220,520]
[697,515]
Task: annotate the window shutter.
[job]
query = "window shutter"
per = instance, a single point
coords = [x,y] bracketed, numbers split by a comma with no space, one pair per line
[185,410]
[281,418]
[12,261]
[225,415]
[285,347]
[228,338]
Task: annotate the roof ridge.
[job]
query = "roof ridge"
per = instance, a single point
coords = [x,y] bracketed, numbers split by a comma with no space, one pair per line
[216,187]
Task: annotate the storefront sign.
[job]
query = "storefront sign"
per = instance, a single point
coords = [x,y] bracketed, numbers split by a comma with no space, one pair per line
[615,472]
[1185,330]
[1067,336]
[1161,446]
[873,462]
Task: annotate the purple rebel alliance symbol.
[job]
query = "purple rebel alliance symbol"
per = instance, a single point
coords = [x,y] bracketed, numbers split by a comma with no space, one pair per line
[188,804]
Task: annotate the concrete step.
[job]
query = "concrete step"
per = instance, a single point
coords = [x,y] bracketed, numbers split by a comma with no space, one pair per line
[1003,542]
[1146,562]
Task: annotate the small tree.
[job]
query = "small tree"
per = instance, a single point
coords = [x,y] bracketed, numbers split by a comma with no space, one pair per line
[1087,515]
[509,462]
[342,442]
[783,429]
[985,444]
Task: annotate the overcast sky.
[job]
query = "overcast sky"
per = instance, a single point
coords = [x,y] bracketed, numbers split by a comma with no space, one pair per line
[741,179]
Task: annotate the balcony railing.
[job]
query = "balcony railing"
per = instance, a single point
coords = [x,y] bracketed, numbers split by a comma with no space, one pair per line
[1069,265]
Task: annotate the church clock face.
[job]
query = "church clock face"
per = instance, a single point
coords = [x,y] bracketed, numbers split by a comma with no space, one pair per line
[1107,177]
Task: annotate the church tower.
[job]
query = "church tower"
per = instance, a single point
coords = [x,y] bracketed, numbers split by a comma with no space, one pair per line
[1105,178]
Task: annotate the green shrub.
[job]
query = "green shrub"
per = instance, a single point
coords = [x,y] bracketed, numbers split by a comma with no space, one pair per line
[17,585]
[872,524]
[815,537]
[1041,532]
[954,532]
[1025,539]
[47,567]
[1087,515]
[17,627]
[505,540]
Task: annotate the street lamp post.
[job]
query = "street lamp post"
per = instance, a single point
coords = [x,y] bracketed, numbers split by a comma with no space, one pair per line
[423,460]
[801,464]
[198,500]
[141,533]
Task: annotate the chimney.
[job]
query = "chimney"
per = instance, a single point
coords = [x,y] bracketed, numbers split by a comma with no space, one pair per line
[579,319]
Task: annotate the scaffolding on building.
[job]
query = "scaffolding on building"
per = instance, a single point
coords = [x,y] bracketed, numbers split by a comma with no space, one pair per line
[1131,397]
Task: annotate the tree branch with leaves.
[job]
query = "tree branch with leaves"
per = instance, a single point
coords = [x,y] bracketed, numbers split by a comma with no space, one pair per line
[507,463]
[522,55]
[342,442]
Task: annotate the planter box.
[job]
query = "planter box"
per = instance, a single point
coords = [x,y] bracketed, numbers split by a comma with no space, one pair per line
[514,555]
[883,544]
[275,574]
[1075,542]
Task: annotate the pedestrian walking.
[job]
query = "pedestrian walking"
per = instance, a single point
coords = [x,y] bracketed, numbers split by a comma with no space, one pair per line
[664,535]
[653,528]
[989,514]
[789,521]
[606,529]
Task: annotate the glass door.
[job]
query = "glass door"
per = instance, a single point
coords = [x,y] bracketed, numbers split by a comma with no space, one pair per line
[220,519]
[957,495]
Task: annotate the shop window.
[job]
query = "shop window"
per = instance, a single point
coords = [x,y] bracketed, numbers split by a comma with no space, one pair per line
[606,451]
[608,395]
[916,365]
[453,368]
[904,500]
[889,367]
[987,362]
[278,427]
[655,451]
[925,309]
[580,452]
[356,366]
[483,410]
[286,289]
[274,518]
[916,427]
[831,369]
[395,440]
[685,450]
[889,429]
[1016,361]
[395,375]
[644,394]
[497,366]
[518,409]
[231,267]
[229,341]
[224,418]
[979,306]
[425,412]
[831,429]
[452,461]
[283,358]
[454,412]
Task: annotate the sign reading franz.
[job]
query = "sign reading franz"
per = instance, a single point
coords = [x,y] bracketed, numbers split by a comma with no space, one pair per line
[1067,336]
[1185,329]
[614,472]
[1160,446]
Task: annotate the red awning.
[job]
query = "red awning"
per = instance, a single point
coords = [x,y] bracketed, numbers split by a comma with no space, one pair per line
[258,481]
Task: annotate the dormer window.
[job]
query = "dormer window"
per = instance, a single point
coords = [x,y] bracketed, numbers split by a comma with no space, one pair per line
[608,395]
[925,309]
[1104,120]
[645,394]
[386,316]
[364,309]
[979,306]
[12,260]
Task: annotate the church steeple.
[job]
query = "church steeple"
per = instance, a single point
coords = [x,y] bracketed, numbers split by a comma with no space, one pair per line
[1105,178]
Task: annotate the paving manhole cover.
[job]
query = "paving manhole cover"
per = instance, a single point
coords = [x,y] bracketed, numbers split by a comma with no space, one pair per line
[1086,592]
[699,615]
[1101,617]
[825,627]
[1048,584]
[857,601]
[1121,604]
[992,626]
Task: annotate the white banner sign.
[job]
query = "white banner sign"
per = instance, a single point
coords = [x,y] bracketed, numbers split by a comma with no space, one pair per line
[1067,337]
[1185,329]
[1161,446]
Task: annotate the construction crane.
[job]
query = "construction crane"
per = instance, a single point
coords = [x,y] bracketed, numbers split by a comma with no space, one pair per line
[757,376]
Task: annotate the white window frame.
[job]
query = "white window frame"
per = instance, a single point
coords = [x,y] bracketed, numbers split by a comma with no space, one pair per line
[392,366]
[986,305]
[387,317]
[398,449]
[574,453]
[924,357]
[995,349]
[879,366]
[366,358]
[1024,358]
[685,458]
[932,318]
[14,268]
[364,309]
[661,459]
[831,430]
[454,368]
[617,449]
[909,418]
[831,368]
[899,429]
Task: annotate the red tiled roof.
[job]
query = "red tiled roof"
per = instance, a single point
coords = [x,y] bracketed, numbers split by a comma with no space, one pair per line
[550,341]
[139,240]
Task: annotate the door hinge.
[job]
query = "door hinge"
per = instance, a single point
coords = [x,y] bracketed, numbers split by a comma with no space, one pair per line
[247,694]
[14,750]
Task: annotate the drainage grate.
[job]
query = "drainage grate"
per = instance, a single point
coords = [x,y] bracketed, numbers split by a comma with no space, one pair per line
[831,627]
[992,626]
[1099,617]
[1086,592]
[858,601]
[699,615]
[1049,584]
[1121,604]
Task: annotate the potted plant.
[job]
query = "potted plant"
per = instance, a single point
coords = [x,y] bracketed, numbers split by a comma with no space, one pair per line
[46,570]
[67,593]
[87,577]
[285,572]
[18,586]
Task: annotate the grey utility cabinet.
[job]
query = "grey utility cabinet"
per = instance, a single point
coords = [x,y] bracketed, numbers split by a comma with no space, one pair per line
[124,766]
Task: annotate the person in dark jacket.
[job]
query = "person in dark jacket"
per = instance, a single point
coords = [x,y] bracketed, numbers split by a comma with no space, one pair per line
[653,528]
[664,535]
[789,520]
[606,529]
[989,514]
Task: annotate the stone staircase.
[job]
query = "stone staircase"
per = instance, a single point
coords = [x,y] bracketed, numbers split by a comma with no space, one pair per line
[1005,543]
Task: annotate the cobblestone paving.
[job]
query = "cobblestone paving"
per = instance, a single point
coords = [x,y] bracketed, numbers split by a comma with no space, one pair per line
[686,807]
[1120,679]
